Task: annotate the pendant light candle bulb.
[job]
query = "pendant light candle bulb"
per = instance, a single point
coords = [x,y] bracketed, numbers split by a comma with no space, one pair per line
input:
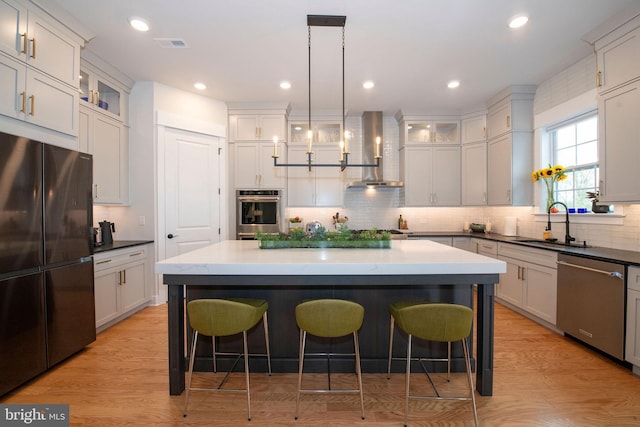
[310,137]
[347,135]
[377,146]
[275,146]
[341,151]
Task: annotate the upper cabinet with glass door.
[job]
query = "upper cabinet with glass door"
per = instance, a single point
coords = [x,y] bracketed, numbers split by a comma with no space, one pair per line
[324,132]
[428,130]
[102,93]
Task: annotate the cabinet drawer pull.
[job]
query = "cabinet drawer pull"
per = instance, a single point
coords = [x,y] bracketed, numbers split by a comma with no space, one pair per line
[508,122]
[24,43]
[136,254]
[97,102]
[33,48]
[103,262]
[33,105]
[124,277]
[24,102]
[599,79]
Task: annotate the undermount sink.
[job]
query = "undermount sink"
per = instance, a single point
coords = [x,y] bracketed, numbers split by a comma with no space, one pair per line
[553,243]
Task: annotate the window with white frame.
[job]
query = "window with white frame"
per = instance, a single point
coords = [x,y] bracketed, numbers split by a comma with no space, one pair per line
[575,146]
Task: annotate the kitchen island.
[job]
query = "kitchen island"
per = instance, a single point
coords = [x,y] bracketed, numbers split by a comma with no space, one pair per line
[409,269]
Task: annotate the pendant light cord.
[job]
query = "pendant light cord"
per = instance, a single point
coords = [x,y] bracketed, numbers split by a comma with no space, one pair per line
[309,133]
[343,110]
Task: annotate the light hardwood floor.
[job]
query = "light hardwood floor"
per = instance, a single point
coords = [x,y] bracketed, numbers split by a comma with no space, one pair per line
[541,379]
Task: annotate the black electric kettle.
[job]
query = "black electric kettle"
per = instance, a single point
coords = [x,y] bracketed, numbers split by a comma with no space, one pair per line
[107,229]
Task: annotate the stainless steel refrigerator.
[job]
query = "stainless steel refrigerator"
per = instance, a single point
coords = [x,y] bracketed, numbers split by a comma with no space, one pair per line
[47,307]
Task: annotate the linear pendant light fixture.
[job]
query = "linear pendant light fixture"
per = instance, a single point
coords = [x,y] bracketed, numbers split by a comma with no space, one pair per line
[324,21]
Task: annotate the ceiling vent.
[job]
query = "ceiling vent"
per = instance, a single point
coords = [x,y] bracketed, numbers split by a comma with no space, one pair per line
[172,43]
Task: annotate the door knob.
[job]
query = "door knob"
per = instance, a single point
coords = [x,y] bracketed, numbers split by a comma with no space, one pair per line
[171,236]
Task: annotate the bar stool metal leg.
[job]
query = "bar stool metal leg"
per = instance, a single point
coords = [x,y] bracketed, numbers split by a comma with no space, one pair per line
[303,338]
[265,323]
[391,328]
[356,344]
[246,372]
[467,359]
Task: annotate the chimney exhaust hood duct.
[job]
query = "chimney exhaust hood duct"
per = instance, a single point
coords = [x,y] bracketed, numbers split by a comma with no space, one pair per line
[372,177]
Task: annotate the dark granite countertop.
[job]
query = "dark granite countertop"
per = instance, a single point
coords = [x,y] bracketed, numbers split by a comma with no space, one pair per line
[120,244]
[600,253]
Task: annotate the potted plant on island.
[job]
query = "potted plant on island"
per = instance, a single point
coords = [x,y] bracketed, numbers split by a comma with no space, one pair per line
[343,237]
[595,207]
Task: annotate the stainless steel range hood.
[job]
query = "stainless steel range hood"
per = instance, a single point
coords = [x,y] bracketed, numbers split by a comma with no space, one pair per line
[372,177]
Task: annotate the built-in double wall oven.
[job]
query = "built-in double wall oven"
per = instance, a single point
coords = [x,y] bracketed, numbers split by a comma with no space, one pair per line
[258,211]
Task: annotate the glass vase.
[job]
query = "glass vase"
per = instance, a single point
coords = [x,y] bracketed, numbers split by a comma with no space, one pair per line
[550,197]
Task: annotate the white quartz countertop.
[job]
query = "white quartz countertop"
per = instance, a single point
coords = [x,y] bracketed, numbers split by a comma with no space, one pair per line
[244,257]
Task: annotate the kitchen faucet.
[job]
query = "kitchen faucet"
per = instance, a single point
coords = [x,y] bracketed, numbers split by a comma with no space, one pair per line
[567,237]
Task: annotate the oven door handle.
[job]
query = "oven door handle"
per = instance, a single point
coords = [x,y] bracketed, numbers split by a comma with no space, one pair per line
[258,199]
[594,270]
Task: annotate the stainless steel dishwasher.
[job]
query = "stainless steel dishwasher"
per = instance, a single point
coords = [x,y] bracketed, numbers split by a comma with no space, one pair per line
[591,302]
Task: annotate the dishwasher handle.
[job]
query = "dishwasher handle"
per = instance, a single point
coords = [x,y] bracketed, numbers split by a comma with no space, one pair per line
[594,270]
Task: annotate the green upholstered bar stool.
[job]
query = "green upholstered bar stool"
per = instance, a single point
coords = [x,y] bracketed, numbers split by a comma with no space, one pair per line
[219,318]
[393,311]
[441,323]
[329,318]
[260,305]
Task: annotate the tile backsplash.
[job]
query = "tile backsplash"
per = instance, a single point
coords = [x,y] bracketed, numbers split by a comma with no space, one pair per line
[380,209]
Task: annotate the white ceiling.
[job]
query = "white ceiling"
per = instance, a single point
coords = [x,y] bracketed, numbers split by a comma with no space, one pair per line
[242,49]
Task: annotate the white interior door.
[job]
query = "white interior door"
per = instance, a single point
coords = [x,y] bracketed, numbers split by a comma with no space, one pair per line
[192,191]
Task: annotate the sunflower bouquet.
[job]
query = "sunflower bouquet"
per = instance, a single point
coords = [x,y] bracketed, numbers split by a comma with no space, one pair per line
[550,176]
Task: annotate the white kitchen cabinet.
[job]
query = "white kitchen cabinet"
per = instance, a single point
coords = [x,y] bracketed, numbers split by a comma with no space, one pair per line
[530,282]
[474,129]
[511,110]
[107,140]
[431,175]
[474,174]
[511,286]
[323,186]
[619,148]
[253,165]
[120,280]
[509,167]
[39,41]
[102,93]
[618,58]
[632,345]
[257,127]
[29,95]
[510,147]
[39,68]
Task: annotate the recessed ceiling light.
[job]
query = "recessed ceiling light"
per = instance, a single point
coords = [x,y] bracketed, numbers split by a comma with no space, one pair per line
[200,86]
[518,21]
[453,84]
[368,84]
[285,85]
[139,23]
